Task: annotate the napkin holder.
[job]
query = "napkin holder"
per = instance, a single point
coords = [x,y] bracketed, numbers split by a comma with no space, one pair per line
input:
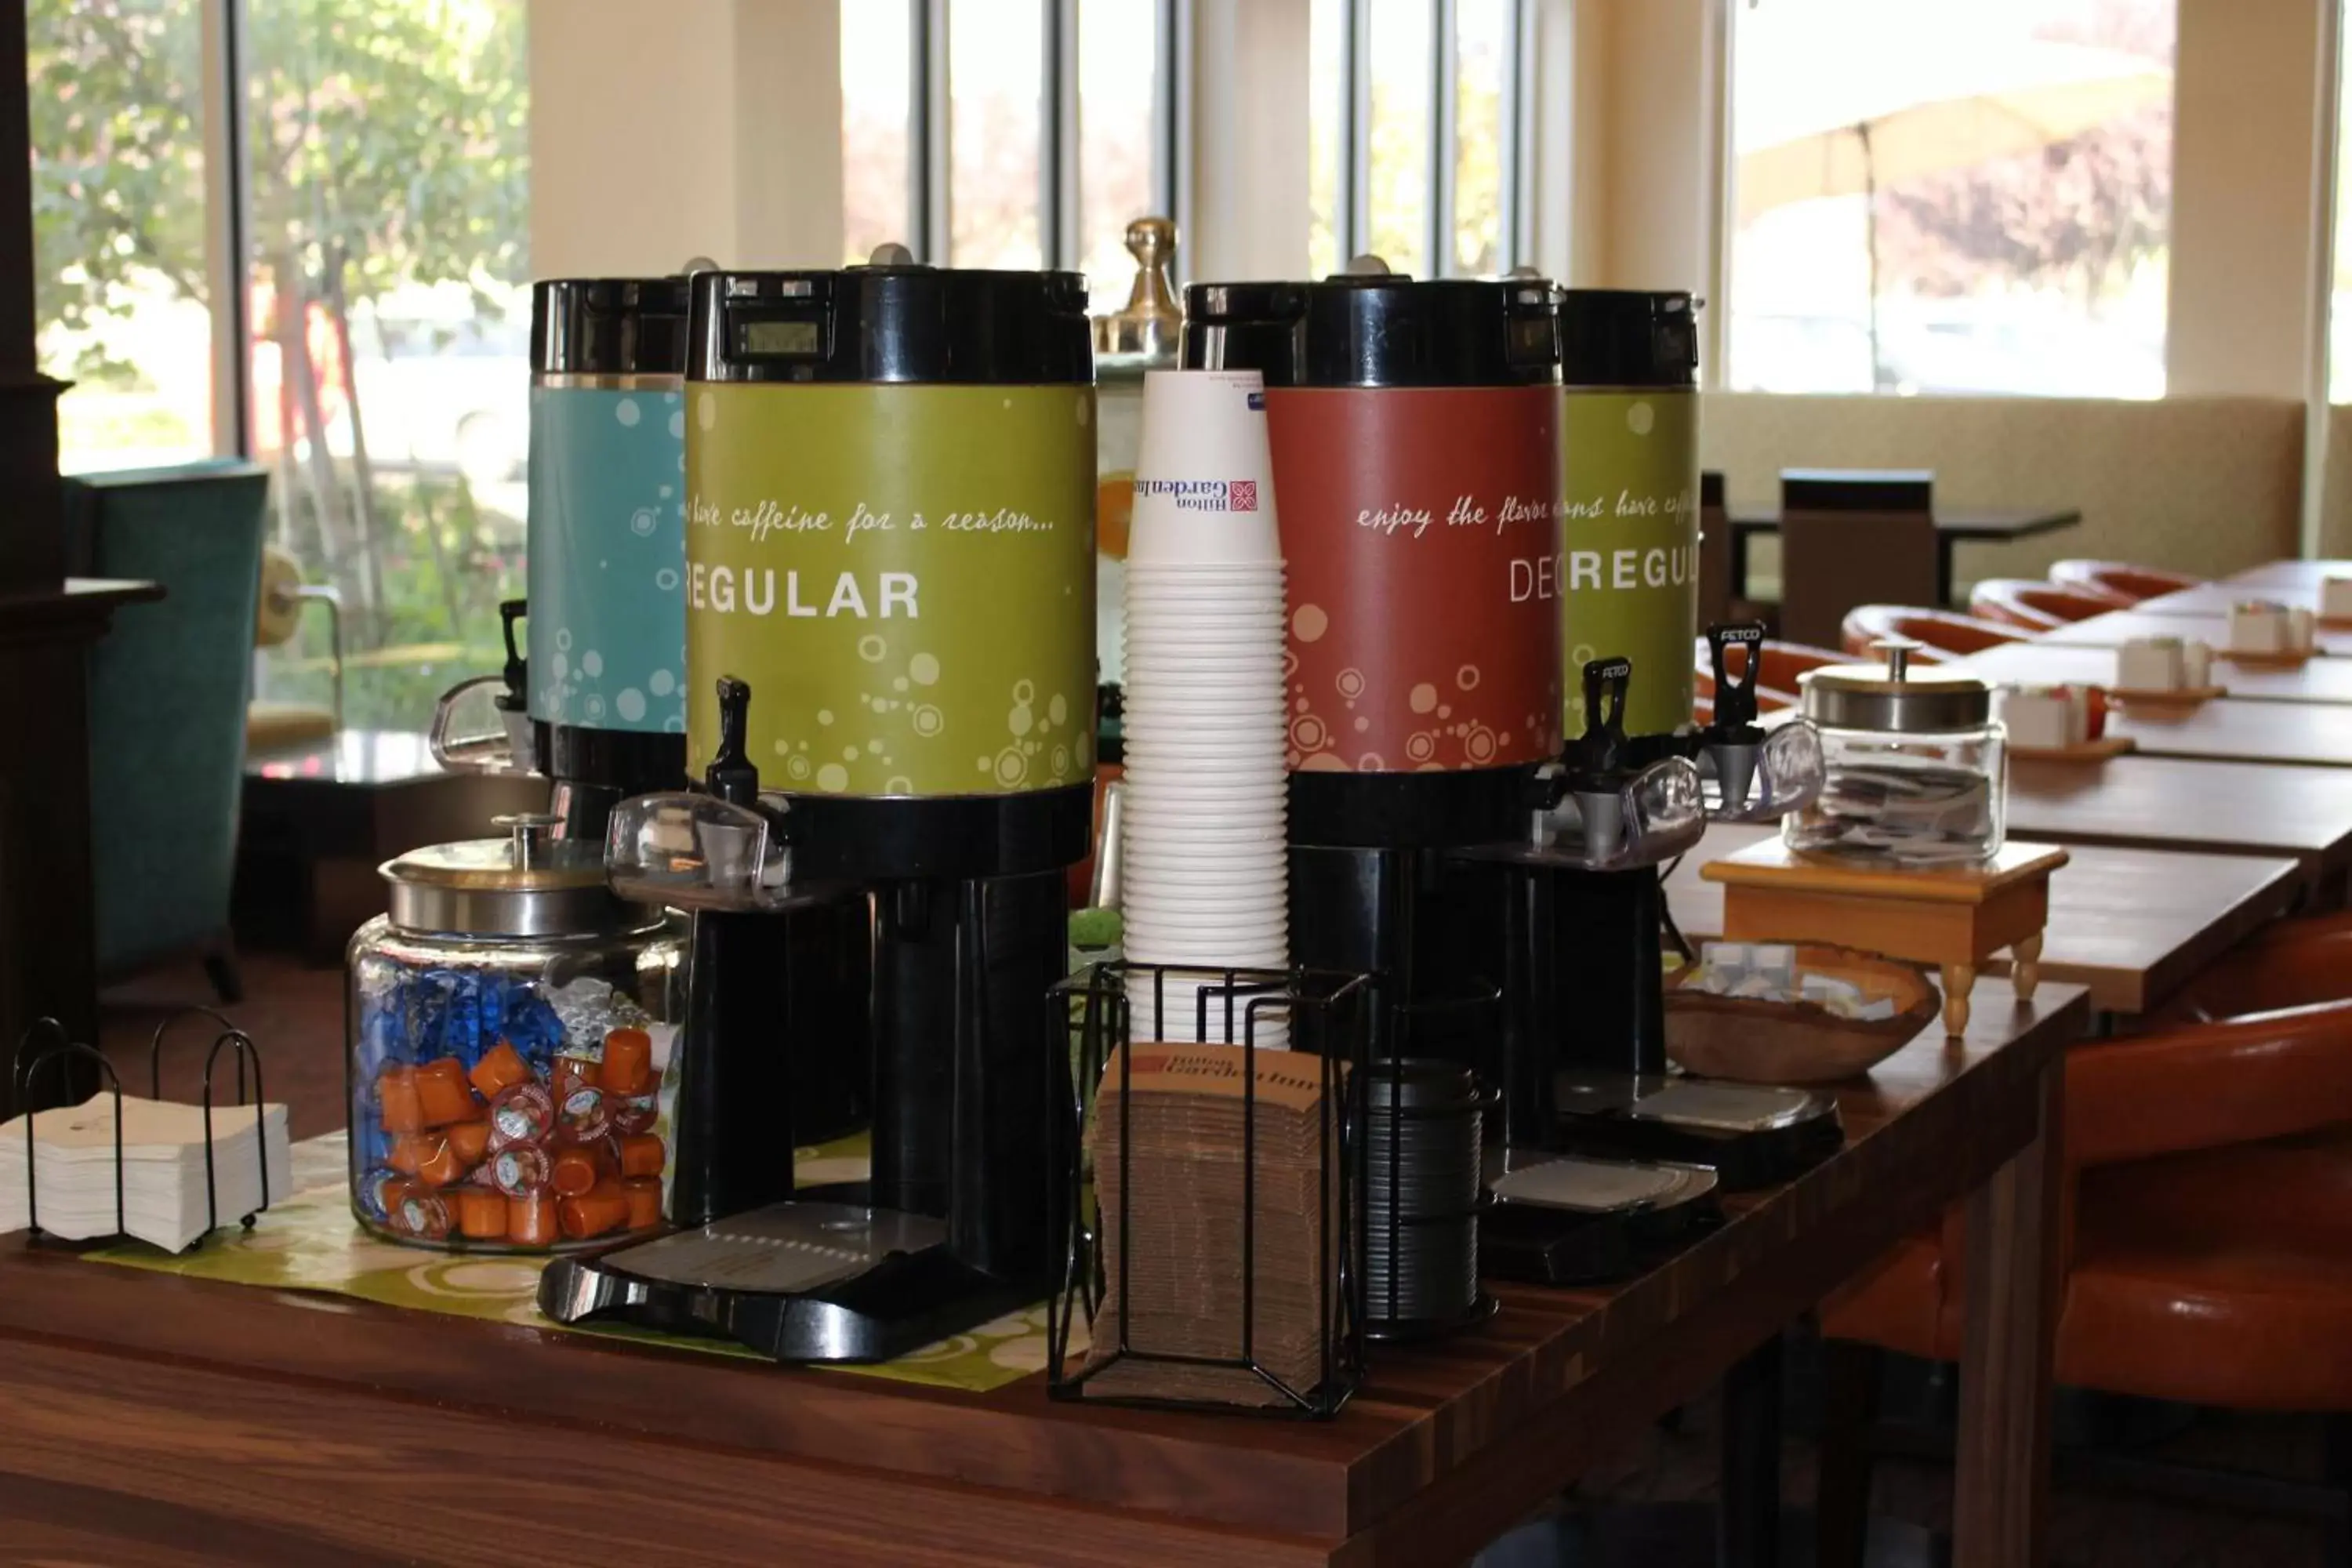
[47,1044]
[1096,1352]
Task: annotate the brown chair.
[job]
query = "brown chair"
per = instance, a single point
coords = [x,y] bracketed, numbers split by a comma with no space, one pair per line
[1715,555]
[2288,964]
[2037,606]
[1853,537]
[2119,580]
[2207,1246]
[1947,634]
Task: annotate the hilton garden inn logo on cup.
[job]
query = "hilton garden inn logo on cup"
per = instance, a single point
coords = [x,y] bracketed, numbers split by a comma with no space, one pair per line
[1203,495]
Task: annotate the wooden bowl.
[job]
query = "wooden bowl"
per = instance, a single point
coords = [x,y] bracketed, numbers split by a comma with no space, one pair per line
[1749,1041]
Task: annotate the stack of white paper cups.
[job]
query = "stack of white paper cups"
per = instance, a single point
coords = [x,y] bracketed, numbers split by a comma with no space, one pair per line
[1204,863]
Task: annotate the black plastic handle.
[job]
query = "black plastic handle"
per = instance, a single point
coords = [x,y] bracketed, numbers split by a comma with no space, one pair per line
[517,673]
[1735,700]
[732,775]
[1605,682]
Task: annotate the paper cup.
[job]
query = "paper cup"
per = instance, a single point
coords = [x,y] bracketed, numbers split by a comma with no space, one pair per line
[1148,797]
[1224,843]
[1253,903]
[1204,471]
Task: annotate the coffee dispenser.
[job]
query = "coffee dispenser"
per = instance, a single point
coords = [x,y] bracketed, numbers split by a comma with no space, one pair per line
[598,705]
[1584,1009]
[1415,435]
[890,660]
[1629,537]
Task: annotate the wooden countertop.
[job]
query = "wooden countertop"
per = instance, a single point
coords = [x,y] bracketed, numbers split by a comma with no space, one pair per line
[2133,925]
[154,1411]
[2061,664]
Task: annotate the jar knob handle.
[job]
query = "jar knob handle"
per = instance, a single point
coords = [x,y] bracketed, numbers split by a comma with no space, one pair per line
[1898,652]
[531,829]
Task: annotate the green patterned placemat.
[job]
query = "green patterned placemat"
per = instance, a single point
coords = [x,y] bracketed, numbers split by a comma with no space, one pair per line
[310,1242]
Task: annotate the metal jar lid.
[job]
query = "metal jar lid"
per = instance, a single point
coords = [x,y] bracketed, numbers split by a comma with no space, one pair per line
[1894,697]
[525,885]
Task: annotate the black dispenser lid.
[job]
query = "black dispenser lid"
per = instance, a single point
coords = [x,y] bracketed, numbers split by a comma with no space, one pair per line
[1375,328]
[1625,337]
[892,322]
[608,326]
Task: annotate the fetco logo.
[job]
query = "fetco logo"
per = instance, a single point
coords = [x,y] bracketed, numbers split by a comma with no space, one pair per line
[1203,495]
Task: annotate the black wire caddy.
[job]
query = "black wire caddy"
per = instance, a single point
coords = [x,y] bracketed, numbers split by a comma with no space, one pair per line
[48,1042]
[1327,1016]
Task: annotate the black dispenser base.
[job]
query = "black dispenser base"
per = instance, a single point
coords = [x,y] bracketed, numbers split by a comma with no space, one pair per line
[894,1288]
[1627,1217]
[1600,1115]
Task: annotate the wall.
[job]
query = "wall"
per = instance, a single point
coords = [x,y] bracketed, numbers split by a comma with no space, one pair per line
[666,128]
[2241,310]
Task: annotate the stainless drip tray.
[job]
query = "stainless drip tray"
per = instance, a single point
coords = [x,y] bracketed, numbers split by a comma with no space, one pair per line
[785,1248]
[1727,1107]
[1603,1187]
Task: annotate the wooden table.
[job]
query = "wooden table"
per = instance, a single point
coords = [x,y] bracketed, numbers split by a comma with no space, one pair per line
[2229,731]
[2164,803]
[2132,925]
[2054,664]
[2215,598]
[2121,627]
[1953,529]
[156,1413]
[2277,574]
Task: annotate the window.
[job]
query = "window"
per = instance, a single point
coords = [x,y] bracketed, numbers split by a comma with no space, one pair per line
[1414,130]
[1121,86]
[347,302]
[122,289]
[996,57]
[877,72]
[389,309]
[1016,133]
[1937,198]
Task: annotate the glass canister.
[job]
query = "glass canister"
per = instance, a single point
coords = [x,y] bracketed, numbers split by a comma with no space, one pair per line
[1916,766]
[509,1026]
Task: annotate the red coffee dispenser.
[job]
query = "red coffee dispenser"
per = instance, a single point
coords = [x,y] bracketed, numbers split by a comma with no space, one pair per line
[1416,426]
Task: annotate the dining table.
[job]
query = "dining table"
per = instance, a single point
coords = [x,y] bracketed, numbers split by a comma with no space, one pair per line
[2037,662]
[1955,526]
[2292,573]
[2132,925]
[2303,814]
[2120,627]
[2227,729]
[2215,598]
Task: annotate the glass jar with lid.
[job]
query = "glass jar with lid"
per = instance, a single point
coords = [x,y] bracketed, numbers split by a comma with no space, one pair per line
[1914,764]
[510,1025]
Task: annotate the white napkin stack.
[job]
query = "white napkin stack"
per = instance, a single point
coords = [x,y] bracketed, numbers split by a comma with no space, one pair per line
[162,1168]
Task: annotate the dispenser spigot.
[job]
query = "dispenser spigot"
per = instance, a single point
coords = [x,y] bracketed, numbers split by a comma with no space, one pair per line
[1598,754]
[1735,700]
[517,673]
[732,776]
